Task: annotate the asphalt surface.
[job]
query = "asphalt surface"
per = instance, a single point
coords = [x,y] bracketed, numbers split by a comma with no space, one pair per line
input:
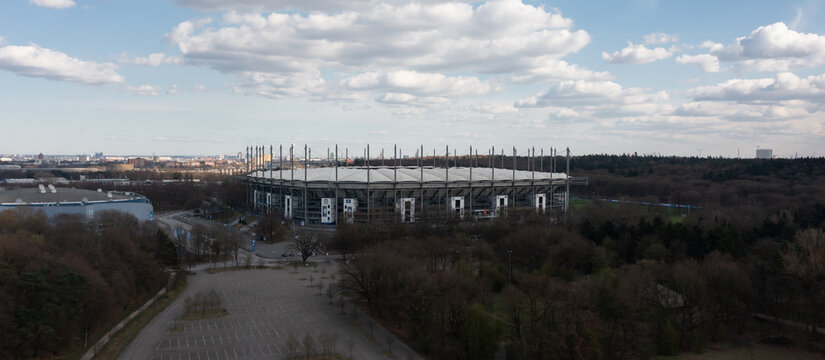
[264,307]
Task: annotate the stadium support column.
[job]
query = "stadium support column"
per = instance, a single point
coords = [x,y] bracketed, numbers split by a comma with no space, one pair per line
[513,204]
[336,185]
[567,184]
[281,176]
[533,169]
[367,161]
[541,160]
[492,162]
[394,174]
[248,187]
[421,179]
[307,153]
[269,202]
[471,181]
[446,177]
[552,187]
[292,181]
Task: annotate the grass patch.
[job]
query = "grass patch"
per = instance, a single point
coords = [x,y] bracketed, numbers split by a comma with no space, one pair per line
[211,314]
[226,216]
[676,219]
[579,203]
[124,337]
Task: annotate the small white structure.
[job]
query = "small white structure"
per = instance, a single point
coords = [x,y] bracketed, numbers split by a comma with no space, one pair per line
[328,211]
[499,204]
[456,206]
[406,208]
[764,153]
[350,205]
[539,202]
[288,206]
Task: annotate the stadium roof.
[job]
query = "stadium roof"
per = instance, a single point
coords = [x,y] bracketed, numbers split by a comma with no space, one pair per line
[406,174]
[61,195]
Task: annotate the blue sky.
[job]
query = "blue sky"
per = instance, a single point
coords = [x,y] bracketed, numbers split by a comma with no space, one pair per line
[606,76]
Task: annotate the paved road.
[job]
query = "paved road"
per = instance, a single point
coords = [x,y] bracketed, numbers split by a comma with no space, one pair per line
[265,306]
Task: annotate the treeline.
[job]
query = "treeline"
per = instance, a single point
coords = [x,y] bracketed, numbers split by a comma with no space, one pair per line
[704,181]
[184,195]
[610,282]
[718,182]
[65,280]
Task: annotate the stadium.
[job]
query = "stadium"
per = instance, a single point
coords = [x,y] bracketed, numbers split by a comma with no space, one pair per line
[55,201]
[364,194]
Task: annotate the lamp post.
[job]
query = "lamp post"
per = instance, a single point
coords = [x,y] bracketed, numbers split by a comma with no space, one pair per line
[510,267]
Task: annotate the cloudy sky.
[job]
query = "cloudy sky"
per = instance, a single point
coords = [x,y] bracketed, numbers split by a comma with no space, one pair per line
[601,76]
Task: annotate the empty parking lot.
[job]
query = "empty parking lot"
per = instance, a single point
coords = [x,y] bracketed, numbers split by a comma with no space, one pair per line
[266,308]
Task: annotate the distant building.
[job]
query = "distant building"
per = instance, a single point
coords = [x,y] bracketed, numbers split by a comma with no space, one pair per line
[55,201]
[764,153]
[137,162]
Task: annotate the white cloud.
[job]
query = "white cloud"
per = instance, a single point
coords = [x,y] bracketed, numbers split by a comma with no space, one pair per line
[509,37]
[392,98]
[712,46]
[637,54]
[272,5]
[155,59]
[783,87]
[146,90]
[660,38]
[706,62]
[550,69]
[35,61]
[412,82]
[588,93]
[276,86]
[773,47]
[199,87]
[55,4]
[492,38]
[174,89]
[741,112]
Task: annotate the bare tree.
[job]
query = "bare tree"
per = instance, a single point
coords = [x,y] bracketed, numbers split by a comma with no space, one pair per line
[805,260]
[291,346]
[272,228]
[232,243]
[309,346]
[305,242]
[331,290]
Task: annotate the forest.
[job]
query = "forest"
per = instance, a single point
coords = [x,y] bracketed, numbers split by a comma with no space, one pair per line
[610,281]
[65,281]
[604,281]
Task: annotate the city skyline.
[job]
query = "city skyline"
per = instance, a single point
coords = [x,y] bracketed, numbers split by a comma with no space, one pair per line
[193,77]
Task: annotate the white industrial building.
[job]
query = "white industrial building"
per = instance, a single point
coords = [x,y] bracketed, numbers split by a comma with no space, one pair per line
[55,201]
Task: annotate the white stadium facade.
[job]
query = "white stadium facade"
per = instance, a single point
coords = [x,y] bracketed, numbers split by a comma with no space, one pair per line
[330,194]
